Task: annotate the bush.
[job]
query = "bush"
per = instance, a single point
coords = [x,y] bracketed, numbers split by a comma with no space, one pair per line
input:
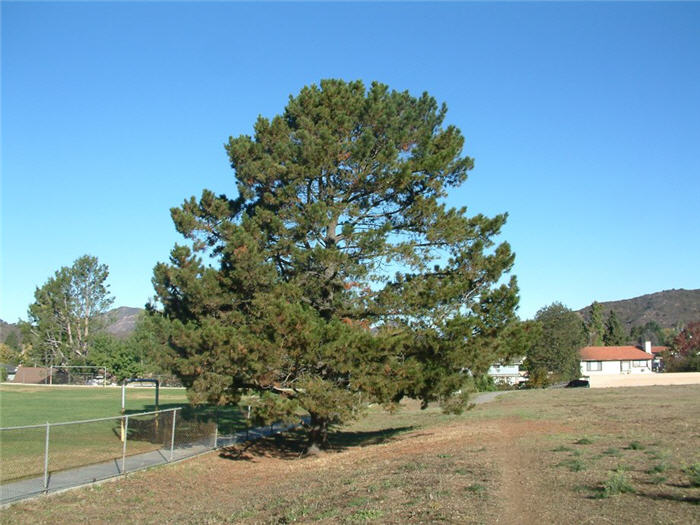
[693,473]
[539,378]
[617,483]
[484,383]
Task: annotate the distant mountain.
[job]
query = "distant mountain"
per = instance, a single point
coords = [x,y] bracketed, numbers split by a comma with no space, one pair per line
[668,308]
[121,322]
[6,329]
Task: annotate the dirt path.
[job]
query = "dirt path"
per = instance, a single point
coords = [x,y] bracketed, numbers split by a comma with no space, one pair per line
[521,494]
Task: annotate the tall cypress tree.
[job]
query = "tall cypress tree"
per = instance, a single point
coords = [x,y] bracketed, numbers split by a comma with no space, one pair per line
[340,275]
[595,327]
[614,333]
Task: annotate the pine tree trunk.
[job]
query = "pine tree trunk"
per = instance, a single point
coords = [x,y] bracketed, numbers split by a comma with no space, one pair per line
[318,435]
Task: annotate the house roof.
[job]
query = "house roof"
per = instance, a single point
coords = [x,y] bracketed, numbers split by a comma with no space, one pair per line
[658,349]
[30,374]
[613,353]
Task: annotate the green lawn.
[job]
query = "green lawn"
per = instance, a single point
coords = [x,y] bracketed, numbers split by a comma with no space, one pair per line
[35,405]
[21,451]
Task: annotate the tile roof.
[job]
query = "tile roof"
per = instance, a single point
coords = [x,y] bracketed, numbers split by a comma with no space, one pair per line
[613,353]
[31,374]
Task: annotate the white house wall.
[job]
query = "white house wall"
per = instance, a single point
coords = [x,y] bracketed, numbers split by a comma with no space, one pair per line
[614,368]
[505,374]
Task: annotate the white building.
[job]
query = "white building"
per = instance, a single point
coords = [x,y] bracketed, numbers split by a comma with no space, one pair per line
[615,360]
[509,373]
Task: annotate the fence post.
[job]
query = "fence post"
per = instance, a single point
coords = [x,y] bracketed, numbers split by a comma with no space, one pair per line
[216,434]
[126,433]
[172,435]
[46,459]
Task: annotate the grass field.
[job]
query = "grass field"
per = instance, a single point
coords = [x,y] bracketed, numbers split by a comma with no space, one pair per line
[35,405]
[22,451]
[628,455]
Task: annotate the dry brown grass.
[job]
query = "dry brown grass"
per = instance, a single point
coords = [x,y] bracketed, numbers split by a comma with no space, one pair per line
[528,457]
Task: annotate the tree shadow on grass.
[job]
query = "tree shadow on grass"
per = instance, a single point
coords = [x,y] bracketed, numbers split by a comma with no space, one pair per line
[341,440]
[293,444]
[663,496]
[598,492]
[230,419]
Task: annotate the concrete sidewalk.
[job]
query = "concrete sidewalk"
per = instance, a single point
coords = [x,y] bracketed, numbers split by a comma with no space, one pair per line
[59,481]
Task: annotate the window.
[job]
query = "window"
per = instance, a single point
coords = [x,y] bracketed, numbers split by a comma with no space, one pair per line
[594,366]
[639,364]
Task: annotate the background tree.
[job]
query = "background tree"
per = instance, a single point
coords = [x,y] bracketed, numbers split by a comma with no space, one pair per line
[650,331]
[556,349]
[67,310]
[594,326]
[118,356]
[684,355]
[614,333]
[340,276]
[12,340]
[9,355]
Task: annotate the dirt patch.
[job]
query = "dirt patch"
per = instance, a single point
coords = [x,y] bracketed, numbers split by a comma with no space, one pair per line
[528,457]
[519,495]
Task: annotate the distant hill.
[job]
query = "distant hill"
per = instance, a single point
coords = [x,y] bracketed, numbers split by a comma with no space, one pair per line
[668,308]
[121,322]
[6,329]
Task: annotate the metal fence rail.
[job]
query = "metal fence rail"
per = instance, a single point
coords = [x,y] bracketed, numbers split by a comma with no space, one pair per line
[37,459]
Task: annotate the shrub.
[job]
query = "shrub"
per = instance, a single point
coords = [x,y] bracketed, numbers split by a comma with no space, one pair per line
[658,480]
[617,483]
[562,448]
[657,469]
[693,473]
[574,465]
[476,488]
[539,378]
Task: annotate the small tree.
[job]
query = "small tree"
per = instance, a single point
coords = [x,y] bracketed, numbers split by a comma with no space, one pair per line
[67,310]
[118,356]
[685,350]
[556,349]
[8,355]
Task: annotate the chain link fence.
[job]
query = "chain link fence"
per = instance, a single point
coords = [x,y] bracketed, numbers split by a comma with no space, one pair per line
[46,458]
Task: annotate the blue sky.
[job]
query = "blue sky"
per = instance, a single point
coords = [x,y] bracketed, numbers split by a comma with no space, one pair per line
[583,119]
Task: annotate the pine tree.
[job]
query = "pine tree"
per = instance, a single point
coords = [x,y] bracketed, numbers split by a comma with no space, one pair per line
[614,333]
[340,275]
[594,327]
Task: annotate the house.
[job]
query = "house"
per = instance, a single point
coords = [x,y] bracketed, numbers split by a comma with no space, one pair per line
[507,373]
[31,375]
[615,360]
[657,363]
